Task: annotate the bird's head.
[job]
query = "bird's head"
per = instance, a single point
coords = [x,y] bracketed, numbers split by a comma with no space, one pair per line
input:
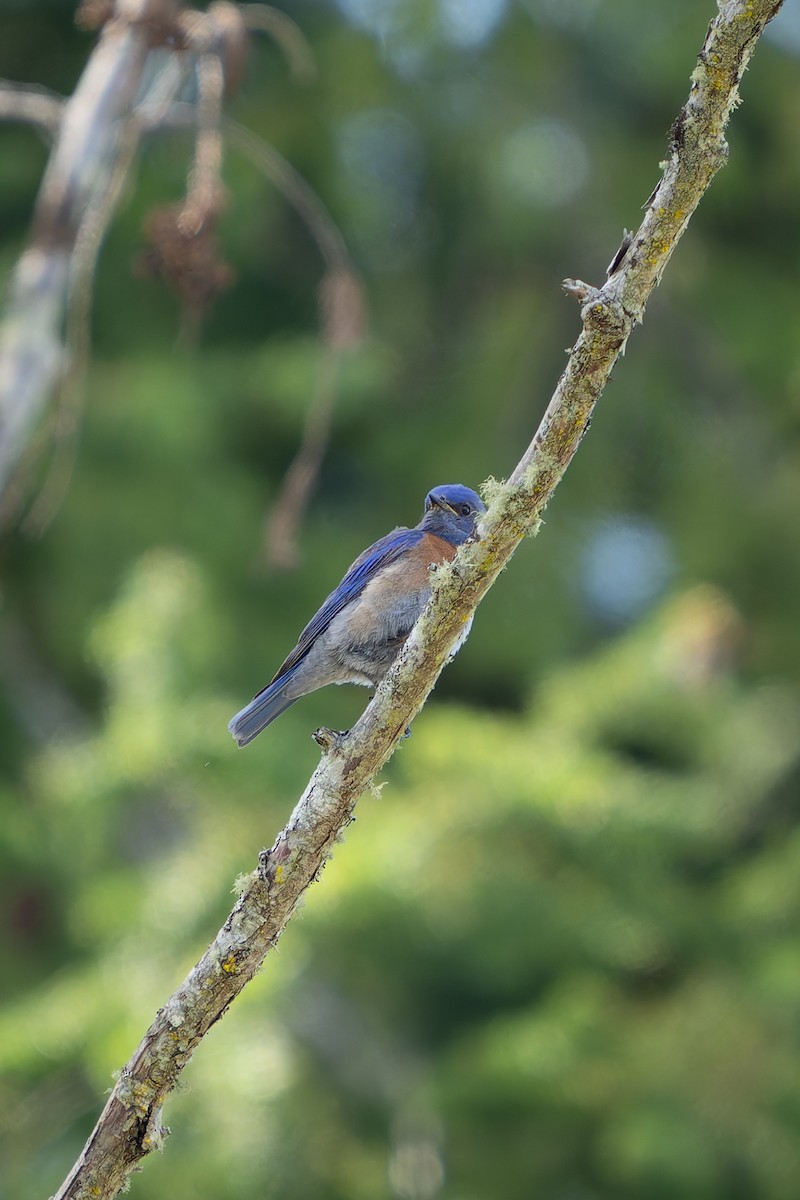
[451,511]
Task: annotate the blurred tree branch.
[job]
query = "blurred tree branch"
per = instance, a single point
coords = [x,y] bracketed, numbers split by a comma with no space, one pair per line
[342,324]
[33,106]
[130,1125]
[131,86]
[86,146]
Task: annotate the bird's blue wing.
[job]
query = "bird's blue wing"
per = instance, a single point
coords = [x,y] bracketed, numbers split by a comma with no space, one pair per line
[362,572]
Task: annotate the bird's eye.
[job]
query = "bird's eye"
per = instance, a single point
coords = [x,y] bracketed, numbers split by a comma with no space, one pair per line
[465,510]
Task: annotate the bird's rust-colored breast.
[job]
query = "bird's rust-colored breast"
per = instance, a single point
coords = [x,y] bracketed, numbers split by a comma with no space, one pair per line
[440,549]
[429,551]
[408,577]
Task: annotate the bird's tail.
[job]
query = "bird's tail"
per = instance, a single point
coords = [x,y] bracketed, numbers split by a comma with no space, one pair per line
[262,710]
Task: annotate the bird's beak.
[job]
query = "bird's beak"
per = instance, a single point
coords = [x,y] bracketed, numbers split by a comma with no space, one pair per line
[440,502]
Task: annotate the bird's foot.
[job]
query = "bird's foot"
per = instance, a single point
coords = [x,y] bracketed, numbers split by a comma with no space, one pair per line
[329,739]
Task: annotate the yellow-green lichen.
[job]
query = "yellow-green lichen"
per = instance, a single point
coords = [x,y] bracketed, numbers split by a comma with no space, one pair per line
[241,883]
[490,489]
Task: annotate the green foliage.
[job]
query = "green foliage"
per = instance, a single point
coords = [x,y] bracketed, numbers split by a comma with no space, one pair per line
[556,955]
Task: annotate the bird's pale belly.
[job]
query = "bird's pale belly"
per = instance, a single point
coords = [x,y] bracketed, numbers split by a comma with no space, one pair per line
[372,636]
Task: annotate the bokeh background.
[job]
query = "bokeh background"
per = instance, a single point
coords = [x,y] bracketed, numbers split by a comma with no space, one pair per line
[558,956]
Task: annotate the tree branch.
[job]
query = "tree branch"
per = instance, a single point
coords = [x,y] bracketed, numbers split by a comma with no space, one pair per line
[130,1125]
[35,106]
[31,353]
[99,128]
[342,307]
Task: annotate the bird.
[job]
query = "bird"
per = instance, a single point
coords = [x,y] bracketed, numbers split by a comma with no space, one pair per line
[362,625]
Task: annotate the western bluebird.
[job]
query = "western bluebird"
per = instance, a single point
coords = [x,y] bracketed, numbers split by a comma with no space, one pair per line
[358,632]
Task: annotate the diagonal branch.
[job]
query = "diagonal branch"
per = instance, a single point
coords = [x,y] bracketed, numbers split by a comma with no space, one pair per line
[130,1125]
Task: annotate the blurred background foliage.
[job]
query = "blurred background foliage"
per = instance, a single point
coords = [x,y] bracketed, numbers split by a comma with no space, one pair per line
[558,955]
